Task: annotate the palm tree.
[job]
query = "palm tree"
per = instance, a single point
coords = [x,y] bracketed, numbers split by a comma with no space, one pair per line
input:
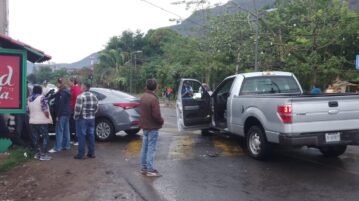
[111,71]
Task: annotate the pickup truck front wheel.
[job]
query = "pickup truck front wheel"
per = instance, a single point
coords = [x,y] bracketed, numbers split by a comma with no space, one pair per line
[333,151]
[257,145]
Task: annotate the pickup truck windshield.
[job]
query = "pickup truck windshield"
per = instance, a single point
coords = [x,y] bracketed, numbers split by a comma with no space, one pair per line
[270,85]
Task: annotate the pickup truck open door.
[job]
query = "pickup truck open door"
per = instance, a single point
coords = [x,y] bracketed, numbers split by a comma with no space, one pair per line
[193,106]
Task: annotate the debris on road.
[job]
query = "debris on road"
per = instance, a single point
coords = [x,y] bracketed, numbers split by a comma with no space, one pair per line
[215,154]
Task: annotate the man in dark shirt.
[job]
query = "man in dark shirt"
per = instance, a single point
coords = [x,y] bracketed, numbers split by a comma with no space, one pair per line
[150,121]
[63,112]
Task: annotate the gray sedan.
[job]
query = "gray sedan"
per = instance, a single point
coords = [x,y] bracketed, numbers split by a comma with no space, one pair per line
[118,111]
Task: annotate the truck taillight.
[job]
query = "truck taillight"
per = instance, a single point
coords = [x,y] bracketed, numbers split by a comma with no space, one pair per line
[127,106]
[285,113]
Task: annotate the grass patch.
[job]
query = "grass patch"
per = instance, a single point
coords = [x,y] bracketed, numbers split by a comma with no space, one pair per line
[15,158]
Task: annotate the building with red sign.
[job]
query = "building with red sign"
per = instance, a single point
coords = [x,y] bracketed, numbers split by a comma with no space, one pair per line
[13,64]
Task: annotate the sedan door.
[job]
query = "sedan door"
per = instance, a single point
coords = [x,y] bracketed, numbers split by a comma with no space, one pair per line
[192,106]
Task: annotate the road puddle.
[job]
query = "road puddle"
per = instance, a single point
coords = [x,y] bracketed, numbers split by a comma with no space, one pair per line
[226,147]
[181,148]
[133,148]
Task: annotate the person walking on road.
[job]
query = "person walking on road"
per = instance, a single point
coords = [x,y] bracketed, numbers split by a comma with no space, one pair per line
[75,90]
[63,112]
[39,118]
[150,122]
[85,110]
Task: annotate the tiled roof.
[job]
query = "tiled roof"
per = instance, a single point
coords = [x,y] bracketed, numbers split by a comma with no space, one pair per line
[34,55]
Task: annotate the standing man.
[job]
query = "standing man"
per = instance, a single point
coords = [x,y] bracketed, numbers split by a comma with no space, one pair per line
[150,121]
[63,112]
[85,110]
[75,90]
[39,114]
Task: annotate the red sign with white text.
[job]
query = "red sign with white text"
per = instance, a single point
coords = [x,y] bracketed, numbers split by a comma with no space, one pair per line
[10,81]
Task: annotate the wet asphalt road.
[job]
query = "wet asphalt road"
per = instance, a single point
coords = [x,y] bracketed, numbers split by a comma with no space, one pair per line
[216,168]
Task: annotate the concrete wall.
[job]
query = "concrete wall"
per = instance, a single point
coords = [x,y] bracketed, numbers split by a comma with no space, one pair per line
[4,17]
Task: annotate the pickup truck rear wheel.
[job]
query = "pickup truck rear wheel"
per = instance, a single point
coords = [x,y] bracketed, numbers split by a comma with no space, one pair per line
[257,145]
[333,151]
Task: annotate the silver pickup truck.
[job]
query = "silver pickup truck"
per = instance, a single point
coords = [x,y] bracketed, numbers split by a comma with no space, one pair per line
[270,108]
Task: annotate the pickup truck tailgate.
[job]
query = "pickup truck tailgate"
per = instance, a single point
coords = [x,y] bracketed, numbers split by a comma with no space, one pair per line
[325,113]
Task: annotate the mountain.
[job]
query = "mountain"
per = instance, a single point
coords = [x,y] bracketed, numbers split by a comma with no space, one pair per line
[191,25]
[87,62]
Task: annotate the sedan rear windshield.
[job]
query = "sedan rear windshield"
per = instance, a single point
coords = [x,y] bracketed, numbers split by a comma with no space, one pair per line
[270,85]
[122,94]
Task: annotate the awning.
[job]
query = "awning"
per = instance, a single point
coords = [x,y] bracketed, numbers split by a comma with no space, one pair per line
[34,55]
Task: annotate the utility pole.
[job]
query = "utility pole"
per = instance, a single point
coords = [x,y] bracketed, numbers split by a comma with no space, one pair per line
[257,37]
[257,17]
[135,65]
[4,17]
[256,46]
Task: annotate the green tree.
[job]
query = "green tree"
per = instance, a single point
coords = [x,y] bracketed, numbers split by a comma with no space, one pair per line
[44,73]
[115,61]
[61,73]
[315,39]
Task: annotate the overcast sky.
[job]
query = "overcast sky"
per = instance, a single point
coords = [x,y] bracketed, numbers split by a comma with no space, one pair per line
[70,30]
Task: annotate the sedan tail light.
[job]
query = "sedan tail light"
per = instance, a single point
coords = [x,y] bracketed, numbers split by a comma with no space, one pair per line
[127,106]
[136,122]
[285,113]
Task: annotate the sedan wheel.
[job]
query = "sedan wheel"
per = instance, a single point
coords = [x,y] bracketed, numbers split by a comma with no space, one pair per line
[104,130]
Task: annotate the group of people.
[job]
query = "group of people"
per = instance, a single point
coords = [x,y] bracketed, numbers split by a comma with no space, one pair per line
[81,105]
[73,107]
[76,104]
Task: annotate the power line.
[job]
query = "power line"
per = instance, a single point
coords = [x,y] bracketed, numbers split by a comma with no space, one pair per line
[159,7]
[170,12]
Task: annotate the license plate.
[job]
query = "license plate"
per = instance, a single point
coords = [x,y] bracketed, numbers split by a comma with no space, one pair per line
[332,137]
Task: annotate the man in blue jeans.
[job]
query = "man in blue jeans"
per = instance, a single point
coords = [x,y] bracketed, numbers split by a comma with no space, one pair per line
[84,114]
[63,113]
[150,122]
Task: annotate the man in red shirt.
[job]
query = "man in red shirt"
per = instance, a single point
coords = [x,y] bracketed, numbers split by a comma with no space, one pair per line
[75,90]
